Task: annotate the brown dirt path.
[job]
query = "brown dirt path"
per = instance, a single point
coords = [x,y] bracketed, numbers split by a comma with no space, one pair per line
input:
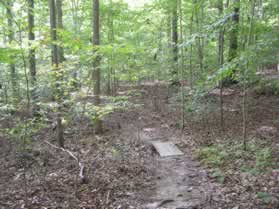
[180,182]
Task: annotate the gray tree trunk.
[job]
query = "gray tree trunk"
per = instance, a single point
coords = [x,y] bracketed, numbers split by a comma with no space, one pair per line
[221,60]
[175,41]
[11,38]
[233,45]
[97,60]
[55,64]
[31,37]
[60,28]
[32,55]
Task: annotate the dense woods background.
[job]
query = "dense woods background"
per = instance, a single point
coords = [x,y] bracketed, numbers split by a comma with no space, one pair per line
[70,70]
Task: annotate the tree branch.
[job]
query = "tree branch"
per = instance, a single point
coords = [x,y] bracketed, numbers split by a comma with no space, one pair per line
[81,166]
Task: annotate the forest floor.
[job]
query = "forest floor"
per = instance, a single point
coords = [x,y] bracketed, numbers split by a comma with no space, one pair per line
[123,170]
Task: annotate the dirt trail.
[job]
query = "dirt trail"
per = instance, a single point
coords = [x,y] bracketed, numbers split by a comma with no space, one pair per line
[180,182]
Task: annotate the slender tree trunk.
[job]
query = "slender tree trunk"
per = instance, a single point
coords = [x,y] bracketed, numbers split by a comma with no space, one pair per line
[75,5]
[199,17]
[175,41]
[11,38]
[61,59]
[191,54]
[251,37]
[32,55]
[182,66]
[221,61]
[110,40]
[261,9]
[24,61]
[169,35]
[4,83]
[158,54]
[169,43]
[233,45]
[244,103]
[54,48]
[97,61]
[31,37]
[60,49]
[55,64]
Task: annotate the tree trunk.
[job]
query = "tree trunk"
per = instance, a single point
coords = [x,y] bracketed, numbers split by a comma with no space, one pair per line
[11,38]
[175,42]
[32,56]
[233,45]
[97,61]
[55,64]
[53,34]
[60,28]
[75,6]
[110,40]
[182,67]
[31,37]
[200,40]
[191,54]
[245,99]
[169,34]
[221,61]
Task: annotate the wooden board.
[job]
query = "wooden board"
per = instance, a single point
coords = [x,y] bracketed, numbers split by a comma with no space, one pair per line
[166,149]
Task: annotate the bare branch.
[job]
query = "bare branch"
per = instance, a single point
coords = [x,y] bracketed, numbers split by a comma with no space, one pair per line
[81,166]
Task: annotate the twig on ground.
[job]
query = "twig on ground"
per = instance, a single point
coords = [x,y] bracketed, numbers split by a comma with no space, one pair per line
[81,166]
[108,197]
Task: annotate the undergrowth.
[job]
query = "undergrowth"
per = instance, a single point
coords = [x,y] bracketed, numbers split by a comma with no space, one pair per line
[255,160]
[267,87]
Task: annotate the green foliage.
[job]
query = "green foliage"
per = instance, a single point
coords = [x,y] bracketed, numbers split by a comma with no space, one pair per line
[265,196]
[267,87]
[254,160]
[7,110]
[136,43]
[25,129]
[263,159]
[219,175]
[97,112]
[224,72]
[115,152]
[198,104]
[111,105]
[211,156]
[6,54]
[134,93]
[23,132]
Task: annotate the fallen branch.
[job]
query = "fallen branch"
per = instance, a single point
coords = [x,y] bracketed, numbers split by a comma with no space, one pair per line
[81,166]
